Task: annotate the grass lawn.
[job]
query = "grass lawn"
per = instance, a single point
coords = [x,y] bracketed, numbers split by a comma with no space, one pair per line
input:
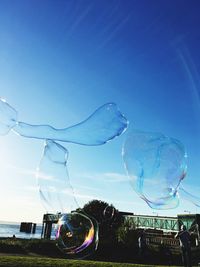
[43,253]
[28,261]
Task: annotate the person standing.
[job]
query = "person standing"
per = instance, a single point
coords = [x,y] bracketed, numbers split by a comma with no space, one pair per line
[184,237]
[142,244]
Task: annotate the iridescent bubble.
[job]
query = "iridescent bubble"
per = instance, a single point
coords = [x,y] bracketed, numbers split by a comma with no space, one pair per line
[8,117]
[77,235]
[55,190]
[155,164]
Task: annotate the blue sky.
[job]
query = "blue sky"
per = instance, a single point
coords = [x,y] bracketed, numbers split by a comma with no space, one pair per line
[61,60]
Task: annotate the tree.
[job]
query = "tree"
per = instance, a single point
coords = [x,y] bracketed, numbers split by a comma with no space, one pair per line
[108,218]
[127,233]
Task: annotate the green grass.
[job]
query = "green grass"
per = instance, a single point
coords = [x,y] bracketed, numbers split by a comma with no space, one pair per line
[28,261]
[39,253]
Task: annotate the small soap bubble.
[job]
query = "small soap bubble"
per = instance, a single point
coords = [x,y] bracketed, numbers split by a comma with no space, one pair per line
[109,213]
[156,165]
[77,235]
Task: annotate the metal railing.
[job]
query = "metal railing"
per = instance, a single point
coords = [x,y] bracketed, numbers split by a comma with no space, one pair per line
[154,222]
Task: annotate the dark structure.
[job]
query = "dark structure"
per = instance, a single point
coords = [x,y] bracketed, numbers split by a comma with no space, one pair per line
[189,220]
[167,224]
[48,221]
[28,227]
[152,223]
[160,231]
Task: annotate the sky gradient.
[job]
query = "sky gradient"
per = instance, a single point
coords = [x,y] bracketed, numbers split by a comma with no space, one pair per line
[61,60]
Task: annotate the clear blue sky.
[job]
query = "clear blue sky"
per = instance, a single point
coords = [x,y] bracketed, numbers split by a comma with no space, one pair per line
[60,60]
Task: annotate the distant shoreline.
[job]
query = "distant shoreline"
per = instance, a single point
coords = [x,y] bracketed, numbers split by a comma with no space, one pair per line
[13,229]
[17,223]
[8,222]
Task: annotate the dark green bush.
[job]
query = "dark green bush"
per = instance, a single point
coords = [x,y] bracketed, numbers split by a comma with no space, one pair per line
[11,246]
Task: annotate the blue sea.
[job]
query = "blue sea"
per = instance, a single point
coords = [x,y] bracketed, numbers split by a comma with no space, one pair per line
[8,230]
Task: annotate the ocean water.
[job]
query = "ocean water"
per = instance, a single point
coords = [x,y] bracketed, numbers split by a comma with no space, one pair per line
[8,230]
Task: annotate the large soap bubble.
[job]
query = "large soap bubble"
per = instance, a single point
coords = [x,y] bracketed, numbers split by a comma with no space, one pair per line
[106,123]
[77,235]
[189,196]
[103,125]
[55,189]
[156,164]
